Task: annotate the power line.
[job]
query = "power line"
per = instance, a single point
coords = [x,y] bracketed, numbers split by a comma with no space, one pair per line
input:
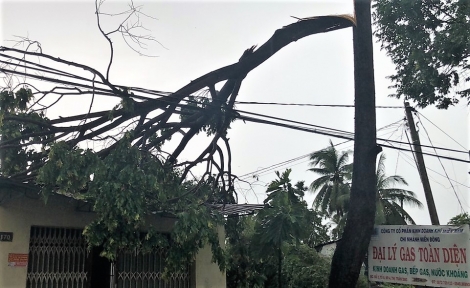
[322,130]
[309,104]
[345,133]
[274,166]
[414,166]
[443,168]
[398,155]
[442,131]
[270,168]
[430,169]
[344,136]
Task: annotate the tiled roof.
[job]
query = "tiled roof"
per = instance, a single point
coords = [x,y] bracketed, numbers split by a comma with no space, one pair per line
[233,209]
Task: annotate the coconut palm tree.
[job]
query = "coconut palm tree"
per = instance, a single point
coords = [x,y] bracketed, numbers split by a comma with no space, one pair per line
[339,224]
[390,199]
[332,186]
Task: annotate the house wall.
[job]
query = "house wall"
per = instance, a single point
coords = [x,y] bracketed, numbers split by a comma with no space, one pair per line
[328,250]
[18,212]
[207,273]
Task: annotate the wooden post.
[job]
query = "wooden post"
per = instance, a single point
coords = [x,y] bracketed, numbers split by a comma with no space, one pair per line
[421,167]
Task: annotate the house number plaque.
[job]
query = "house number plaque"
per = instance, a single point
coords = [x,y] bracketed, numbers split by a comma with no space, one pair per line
[6,236]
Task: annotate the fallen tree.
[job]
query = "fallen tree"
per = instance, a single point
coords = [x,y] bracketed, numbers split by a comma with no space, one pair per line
[129,174]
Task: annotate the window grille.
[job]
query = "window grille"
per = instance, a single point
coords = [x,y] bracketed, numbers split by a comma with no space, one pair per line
[57,258]
[138,270]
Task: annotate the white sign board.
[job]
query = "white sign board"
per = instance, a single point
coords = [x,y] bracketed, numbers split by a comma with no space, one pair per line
[435,256]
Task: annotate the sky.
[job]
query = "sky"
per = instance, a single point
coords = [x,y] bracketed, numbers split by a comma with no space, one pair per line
[196,37]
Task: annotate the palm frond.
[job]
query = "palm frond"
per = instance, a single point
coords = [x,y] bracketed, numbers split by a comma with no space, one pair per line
[319,182]
[321,171]
[396,179]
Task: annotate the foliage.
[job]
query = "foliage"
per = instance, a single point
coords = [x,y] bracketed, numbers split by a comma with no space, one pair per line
[332,185]
[340,223]
[390,199]
[333,192]
[282,223]
[280,233]
[428,43]
[316,232]
[302,265]
[219,115]
[243,267]
[16,121]
[460,219]
[305,268]
[126,188]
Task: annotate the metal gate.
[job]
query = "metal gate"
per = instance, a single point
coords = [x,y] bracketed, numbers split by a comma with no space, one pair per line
[57,258]
[138,270]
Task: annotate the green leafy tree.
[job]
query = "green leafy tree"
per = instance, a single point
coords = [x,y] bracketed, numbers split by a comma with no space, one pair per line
[305,268]
[428,43]
[245,266]
[316,232]
[283,221]
[15,121]
[126,188]
[253,255]
[332,187]
[460,219]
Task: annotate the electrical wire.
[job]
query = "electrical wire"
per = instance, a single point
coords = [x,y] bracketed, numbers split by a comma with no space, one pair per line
[270,168]
[309,104]
[345,134]
[430,169]
[398,154]
[342,136]
[443,132]
[443,168]
[322,130]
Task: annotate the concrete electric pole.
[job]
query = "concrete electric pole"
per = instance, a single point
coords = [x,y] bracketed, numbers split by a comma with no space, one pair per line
[421,167]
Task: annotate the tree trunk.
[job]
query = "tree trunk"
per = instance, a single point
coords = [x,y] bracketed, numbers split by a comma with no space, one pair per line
[351,250]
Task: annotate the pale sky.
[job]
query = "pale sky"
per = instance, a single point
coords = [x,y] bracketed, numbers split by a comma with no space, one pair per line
[199,37]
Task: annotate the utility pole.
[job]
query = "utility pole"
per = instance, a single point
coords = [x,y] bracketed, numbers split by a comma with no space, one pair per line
[421,167]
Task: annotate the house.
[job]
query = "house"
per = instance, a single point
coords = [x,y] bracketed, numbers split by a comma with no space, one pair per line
[43,246]
[327,249]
